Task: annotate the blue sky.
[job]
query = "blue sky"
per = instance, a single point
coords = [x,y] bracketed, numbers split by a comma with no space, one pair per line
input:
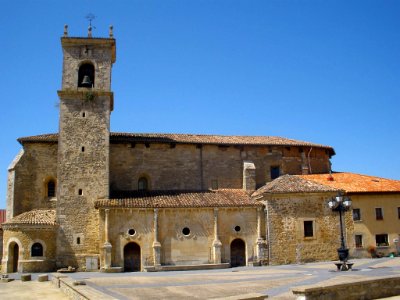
[316,70]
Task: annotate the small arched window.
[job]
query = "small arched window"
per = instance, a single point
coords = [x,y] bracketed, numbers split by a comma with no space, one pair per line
[143,184]
[51,188]
[86,75]
[37,249]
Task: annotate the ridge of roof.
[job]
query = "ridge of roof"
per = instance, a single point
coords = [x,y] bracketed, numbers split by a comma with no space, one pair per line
[355,183]
[187,139]
[287,184]
[181,199]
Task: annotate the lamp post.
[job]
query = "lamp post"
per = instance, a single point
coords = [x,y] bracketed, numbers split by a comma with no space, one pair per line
[341,204]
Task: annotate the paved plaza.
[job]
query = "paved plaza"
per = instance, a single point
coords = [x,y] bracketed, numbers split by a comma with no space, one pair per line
[274,281]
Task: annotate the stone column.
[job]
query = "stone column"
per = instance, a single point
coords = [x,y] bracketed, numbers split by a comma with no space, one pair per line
[107,247]
[217,245]
[156,243]
[260,240]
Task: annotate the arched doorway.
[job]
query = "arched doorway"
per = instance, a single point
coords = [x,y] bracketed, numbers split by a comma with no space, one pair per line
[131,257]
[238,253]
[13,257]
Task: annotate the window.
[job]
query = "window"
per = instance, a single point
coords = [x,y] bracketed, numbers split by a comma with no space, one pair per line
[186,231]
[358,240]
[275,172]
[86,75]
[37,249]
[382,240]
[308,229]
[379,213]
[398,212]
[143,184]
[80,192]
[51,188]
[356,214]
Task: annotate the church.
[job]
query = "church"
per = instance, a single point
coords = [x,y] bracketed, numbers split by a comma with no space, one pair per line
[92,199]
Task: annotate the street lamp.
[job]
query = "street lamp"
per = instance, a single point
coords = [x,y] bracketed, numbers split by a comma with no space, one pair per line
[341,204]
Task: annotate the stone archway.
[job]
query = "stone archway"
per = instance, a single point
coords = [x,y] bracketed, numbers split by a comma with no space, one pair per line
[132,257]
[13,257]
[238,253]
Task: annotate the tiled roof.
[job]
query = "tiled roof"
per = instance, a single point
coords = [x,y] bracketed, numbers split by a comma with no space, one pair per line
[188,139]
[34,217]
[181,199]
[355,183]
[292,184]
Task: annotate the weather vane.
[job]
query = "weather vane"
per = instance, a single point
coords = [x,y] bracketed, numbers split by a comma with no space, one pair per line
[90,17]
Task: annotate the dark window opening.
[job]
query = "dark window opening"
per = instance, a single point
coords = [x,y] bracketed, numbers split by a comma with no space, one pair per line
[398,212]
[51,188]
[83,114]
[186,231]
[356,214]
[379,213]
[37,249]
[143,184]
[358,240]
[308,229]
[78,240]
[80,192]
[237,228]
[86,75]
[83,149]
[275,172]
[131,231]
[382,240]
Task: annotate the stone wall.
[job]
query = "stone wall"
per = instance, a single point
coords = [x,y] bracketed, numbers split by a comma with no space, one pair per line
[178,248]
[83,176]
[28,176]
[25,237]
[286,216]
[188,167]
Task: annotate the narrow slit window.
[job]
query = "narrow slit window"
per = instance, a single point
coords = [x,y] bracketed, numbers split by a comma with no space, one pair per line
[51,188]
[308,229]
[80,192]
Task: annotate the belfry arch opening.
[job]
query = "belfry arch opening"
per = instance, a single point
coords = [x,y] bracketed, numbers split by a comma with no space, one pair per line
[238,253]
[132,257]
[86,75]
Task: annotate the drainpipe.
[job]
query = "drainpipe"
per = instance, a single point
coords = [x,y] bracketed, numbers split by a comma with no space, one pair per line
[309,162]
[267,229]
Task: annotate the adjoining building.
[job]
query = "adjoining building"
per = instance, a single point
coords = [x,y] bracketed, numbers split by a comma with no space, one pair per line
[375,212]
[92,199]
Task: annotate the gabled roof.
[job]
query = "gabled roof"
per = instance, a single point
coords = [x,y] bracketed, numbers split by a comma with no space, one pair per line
[181,199]
[287,184]
[34,217]
[355,183]
[118,137]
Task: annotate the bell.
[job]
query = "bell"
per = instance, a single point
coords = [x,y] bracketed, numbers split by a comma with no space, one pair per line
[86,82]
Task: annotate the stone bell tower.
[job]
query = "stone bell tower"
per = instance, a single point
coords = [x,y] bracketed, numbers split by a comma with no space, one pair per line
[86,102]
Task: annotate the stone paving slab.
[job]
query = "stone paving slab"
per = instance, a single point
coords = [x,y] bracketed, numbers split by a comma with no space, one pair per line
[18,290]
[274,281]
